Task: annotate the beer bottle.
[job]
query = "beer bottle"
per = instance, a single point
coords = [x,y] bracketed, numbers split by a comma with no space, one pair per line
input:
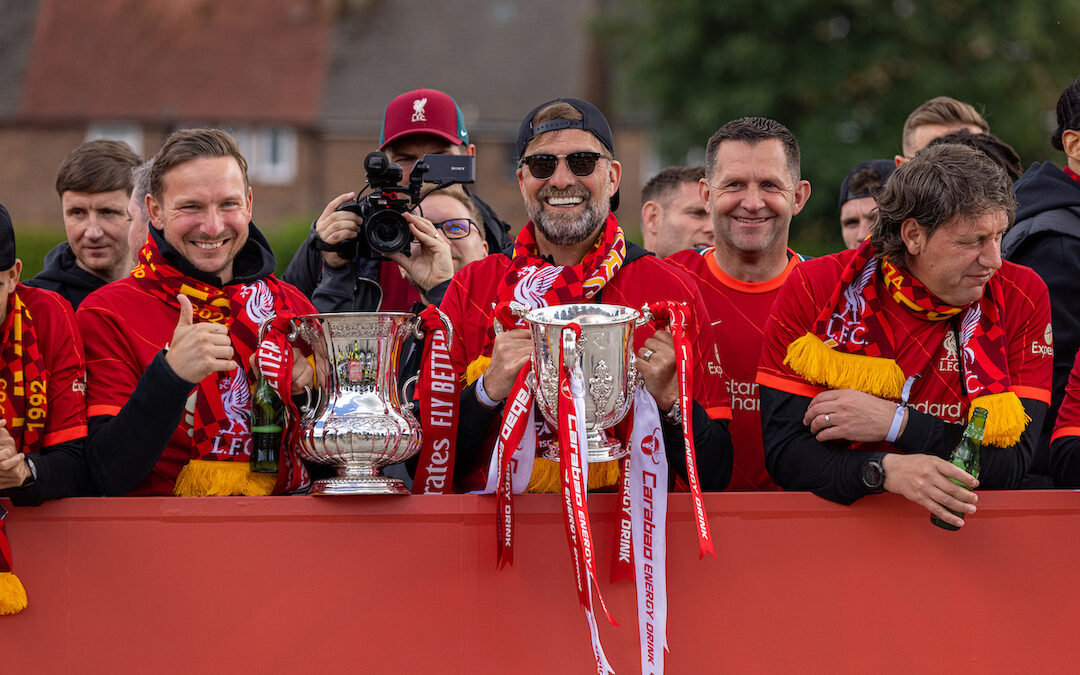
[267,422]
[966,456]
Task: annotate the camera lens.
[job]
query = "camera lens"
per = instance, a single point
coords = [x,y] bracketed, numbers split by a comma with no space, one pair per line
[388,232]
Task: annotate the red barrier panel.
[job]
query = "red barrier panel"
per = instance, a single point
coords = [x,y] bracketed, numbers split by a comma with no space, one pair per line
[408,584]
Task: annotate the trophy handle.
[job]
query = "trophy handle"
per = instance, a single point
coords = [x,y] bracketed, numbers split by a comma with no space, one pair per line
[417,327]
[571,338]
[645,317]
[503,314]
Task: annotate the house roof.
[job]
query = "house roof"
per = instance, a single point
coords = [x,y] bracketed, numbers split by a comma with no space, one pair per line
[331,64]
[177,60]
[497,58]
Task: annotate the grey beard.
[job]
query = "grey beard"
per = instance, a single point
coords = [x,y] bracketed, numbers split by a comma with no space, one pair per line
[563,231]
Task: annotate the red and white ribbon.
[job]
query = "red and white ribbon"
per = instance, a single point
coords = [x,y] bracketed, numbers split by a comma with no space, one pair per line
[648,498]
[674,315]
[574,465]
[511,463]
[438,392]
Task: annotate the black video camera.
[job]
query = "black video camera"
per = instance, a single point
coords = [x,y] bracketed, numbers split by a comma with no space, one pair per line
[385,230]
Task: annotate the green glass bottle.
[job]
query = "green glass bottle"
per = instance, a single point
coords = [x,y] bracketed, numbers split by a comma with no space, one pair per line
[966,456]
[267,422]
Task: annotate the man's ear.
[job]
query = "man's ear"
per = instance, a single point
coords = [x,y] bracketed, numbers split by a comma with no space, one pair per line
[1070,140]
[650,217]
[153,209]
[914,236]
[614,175]
[802,194]
[703,190]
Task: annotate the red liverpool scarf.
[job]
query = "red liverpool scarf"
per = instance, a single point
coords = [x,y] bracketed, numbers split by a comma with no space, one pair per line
[852,345]
[24,405]
[220,426]
[535,282]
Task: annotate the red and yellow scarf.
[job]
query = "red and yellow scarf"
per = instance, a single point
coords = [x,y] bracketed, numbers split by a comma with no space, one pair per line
[24,403]
[220,424]
[852,346]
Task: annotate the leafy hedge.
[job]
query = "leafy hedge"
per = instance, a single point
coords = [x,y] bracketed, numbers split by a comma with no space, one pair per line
[32,243]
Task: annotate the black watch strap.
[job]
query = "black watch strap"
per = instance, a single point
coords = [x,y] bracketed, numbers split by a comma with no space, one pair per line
[873,476]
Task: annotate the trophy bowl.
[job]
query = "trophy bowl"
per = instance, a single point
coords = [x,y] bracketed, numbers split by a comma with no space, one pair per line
[605,355]
[355,421]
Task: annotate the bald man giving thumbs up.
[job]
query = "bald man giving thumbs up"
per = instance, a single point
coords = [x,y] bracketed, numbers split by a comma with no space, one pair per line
[169,349]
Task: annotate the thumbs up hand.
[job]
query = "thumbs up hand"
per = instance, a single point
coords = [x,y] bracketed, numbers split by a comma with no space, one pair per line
[198,349]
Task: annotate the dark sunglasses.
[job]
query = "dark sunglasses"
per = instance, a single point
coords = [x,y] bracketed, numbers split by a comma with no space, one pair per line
[458,228]
[543,166]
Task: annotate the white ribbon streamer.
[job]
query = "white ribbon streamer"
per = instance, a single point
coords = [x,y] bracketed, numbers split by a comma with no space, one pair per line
[648,517]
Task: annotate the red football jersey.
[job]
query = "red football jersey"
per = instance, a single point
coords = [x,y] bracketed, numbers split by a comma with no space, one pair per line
[924,347]
[124,328]
[739,312]
[65,367]
[1068,419]
[469,302]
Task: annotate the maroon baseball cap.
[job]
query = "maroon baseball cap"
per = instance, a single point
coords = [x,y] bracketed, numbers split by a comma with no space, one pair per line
[423,111]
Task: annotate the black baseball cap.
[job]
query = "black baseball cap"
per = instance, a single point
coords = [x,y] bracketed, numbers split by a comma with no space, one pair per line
[592,120]
[882,167]
[7,240]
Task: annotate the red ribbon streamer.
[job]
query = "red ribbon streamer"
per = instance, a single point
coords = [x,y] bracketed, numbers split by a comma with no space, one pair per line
[674,316]
[438,391]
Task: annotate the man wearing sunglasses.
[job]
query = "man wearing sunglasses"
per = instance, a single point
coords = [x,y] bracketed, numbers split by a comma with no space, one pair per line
[416,123]
[572,250]
[752,188]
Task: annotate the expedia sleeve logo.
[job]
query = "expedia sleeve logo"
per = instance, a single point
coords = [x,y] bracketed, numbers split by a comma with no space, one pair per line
[1045,349]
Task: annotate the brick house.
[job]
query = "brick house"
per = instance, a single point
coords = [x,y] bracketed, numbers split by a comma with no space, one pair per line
[301,83]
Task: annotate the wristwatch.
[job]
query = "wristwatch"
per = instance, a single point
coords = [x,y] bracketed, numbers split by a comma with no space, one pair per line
[873,476]
[33,472]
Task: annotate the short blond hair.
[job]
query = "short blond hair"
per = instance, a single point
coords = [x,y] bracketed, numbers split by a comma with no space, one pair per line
[942,110]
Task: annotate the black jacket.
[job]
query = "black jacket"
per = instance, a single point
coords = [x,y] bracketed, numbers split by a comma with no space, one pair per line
[1046,238]
[63,275]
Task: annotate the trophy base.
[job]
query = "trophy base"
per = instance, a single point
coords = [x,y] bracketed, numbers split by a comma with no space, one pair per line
[359,485]
[601,448]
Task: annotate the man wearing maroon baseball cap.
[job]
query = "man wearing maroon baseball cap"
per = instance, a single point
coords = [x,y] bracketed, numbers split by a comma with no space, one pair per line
[416,123]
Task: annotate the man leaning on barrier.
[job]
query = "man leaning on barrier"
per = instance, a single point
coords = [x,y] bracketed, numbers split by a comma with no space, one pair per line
[169,355]
[874,358]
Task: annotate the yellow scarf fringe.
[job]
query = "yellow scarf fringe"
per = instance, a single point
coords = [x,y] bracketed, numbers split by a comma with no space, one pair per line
[1005,418]
[546,477]
[12,594]
[818,364]
[203,478]
[476,369]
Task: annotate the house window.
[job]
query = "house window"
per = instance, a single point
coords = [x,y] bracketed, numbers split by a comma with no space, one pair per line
[270,153]
[117,131]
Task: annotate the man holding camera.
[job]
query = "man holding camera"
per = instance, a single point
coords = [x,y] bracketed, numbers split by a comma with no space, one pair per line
[327,268]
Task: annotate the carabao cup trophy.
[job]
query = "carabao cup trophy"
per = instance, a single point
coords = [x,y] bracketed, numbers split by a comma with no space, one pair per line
[355,421]
[605,354]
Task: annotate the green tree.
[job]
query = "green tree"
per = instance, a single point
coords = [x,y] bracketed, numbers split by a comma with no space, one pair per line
[842,75]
